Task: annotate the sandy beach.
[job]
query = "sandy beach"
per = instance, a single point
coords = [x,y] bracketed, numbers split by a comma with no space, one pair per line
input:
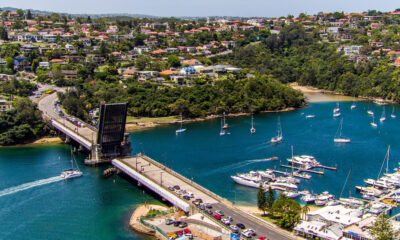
[313,94]
[47,140]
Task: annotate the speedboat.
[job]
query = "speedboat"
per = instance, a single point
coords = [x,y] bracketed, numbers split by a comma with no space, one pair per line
[179,130]
[71,173]
[341,140]
[310,116]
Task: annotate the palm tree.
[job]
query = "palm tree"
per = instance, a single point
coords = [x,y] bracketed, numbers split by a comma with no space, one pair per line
[304,210]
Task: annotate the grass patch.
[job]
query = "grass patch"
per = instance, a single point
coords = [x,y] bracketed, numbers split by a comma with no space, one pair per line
[268,218]
[131,119]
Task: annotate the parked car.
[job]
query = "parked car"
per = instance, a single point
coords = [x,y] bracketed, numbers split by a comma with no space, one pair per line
[186,197]
[201,206]
[183,225]
[176,223]
[208,205]
[230,218]
[219,212]
[171,188]
[169,221]
[234,229]
[240,225]
[208,211]
[199,200]
[225,221]
[217,216]
[177,187]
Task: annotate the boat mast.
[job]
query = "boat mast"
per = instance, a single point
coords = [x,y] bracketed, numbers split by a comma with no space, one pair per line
[351,168]
[387,162]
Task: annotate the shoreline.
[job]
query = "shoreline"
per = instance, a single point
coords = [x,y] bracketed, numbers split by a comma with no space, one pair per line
[140,211]
[38,142]
[138,126]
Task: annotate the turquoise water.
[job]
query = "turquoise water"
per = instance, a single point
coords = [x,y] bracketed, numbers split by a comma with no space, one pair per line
[92,207]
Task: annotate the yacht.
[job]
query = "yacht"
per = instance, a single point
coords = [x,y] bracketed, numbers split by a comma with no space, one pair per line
[302,175]
[278,138]
[225,126]
[321,202]
[252,129]
[395,196]
[380,102]
[249,180]
[267,174]
[352,202]
[291,194]
[332,203]
[325,196]
[179,130]
[378,208]
[304,160]
[383,117]
[284,185]
[310,116]
[71,173]
[309,198]
[340,138]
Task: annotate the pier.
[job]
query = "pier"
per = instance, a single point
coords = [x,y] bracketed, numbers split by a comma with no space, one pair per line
[302,169]
[157,178]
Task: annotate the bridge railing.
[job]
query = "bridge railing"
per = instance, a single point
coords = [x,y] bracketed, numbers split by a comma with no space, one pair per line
[182,178]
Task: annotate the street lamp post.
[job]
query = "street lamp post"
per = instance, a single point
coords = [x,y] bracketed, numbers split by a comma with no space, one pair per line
[161,178]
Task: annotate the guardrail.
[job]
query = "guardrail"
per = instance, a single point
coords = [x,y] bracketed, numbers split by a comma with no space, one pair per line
[182,178]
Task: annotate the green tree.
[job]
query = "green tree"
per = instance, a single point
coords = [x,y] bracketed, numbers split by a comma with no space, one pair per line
[142,62]
[3,34]
[28,14]
[304,210]
[20,12]
[35,64]
[9,62]
[288,211]
[261,199]
[270,198]
[382,229]
[174,61]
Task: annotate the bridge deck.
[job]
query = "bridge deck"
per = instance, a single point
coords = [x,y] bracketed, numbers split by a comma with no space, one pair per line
[83,135]
[158,178]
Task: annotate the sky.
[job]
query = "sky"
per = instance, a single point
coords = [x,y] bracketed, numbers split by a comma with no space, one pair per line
[178,8]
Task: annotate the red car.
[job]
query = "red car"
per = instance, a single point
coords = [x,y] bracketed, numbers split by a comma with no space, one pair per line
[217,216]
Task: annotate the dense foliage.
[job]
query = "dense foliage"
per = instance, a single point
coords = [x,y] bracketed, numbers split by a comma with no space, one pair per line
[299,56]
[22,124]
[233,95]
[22,88]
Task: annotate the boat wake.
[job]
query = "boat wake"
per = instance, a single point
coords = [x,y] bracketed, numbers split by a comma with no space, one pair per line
[238,165]
[29,185]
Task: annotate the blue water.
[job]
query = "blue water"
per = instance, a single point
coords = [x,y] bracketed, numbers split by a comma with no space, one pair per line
[92,207]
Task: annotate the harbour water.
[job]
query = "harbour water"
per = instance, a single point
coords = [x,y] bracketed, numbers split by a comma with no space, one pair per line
[39,205]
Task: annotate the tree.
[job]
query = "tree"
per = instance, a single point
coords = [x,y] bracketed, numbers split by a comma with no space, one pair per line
[142,62]
[304,210]
[261,199]
[3,34]
[382,229]
[288,211]
[20,12]
[28,14]
[9,62]
[270,198]
[174,61]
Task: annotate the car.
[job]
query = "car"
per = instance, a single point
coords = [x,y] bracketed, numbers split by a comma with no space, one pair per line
[201,206]
[169,221]
[225,221]
[208,211]
[171,188]
[261,238]
[186,197]
[217,216]
[219,212]
[189,235]
[176,223]
[199,200]
[246,234]
[195,202]
[234,228]
[177,187]
[208,205]
[251,231]
[230,218]
[183,225]
[240,225]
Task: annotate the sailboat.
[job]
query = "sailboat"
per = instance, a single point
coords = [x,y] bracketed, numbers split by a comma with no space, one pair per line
[252,129]
[179,130]
[222,132]
[225,126]
[373,122]
[354,104]
[393,115]
[279,137]
[350,201]
[71,173]
[341,139]
[381,183]
[383,117]
[336,110]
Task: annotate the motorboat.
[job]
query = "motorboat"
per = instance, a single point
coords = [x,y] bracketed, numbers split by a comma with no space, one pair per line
[332,203]
[337,114]
[370,112]
[267,174]
[304,160]
[302,175]
[380,102]
[325,196]
[395,196]
[310,116]
[284,185]
[352,202]
[71,173]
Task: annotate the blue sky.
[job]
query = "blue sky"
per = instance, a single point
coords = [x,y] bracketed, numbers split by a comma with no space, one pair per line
[266,8]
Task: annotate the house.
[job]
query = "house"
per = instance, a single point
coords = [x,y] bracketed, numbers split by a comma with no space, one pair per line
[69,73]
[45,65]
[351,50]
[397,62]
[178,79]
[22,63]
[190,62]
[146,75]
[128,73]
[360,230]
[4,106]
[328,222]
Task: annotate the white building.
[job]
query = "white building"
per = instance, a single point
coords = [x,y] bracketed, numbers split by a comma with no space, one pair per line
[328,222]
[360,230]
